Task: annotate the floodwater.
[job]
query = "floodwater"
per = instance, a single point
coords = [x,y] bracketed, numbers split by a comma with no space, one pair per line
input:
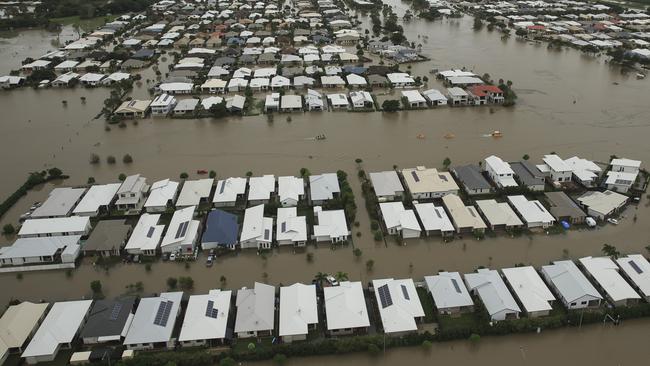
[568,103]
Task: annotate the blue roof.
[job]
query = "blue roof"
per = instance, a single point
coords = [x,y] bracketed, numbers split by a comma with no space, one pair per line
[221,227]
[355,69]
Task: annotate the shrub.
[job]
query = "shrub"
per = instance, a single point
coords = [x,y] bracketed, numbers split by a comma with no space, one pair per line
[186,283]
[172,282]
[8,229]
[184,175]
[147,267]
[373,349]
[94,159]
[91,180]
[110,159]
[378,236]
[96,286]
[121,177]
[279,359]
[212,174]
[127,159]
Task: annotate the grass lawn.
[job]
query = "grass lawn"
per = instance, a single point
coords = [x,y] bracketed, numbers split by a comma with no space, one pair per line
[427,304]
[241,346]
[465,321]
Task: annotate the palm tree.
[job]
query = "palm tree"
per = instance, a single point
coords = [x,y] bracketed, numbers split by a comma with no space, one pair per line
[320,278]
[341,276]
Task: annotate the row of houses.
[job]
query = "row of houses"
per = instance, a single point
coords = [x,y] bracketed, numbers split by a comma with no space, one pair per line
[39,331]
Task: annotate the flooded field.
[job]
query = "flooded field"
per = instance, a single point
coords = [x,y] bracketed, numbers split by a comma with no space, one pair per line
[568,103]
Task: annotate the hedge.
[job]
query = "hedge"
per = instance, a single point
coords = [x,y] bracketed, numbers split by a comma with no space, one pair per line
[33,180]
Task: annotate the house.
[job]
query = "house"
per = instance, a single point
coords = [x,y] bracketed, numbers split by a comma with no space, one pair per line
[108,321]
[602,205]
[457,96]
[338,101]
[387,185]
[257,230]
[449,293]
[532,212]
[133,109]
[161,196]
[206,319]
[280,82]
[228,191]
[107,238]
[483,94]
[500,172]
[154,322]
[585,172]
[291,103]
[17,326]
[261,189]
[332,81]
[434,219]
[377,80]
[41,250]
[345,309]
[255,311]
[399,305]
[182,232]
[331,225]
[221,230]
[58,226]
[59,203]
[186,106]
[528,175]
[58,331]
[259,84]
[301,81]
[91,79]
[571,286]
[558,170]
[291,228]
[146,235]
[471,179]
[494,294]
[414,98]
[66,66]
[207,103]
[361,99]
[272,102]
[323,187]
[637,270]
[400,80]
[194,192]
[213,86]
[65,79]
[531,291]
[425,183]
[563,208]
[162,105]
[398,220]
[605,275]
[298,312]
[464,218]
[314,100]
[355,80]
[435,97]
[10,81]
[622,175]
[498,215]
[290,190]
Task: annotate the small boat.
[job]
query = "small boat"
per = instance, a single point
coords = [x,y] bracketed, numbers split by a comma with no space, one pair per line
[496,133]
[201,172]
[449,136]
[420,136]
[640,76]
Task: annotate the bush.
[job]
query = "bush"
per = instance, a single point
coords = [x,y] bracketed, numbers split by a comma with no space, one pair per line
[8,229]
[121,177]
[184,175]
[96,286]
[91,180]
[427,345]
[212,174]
[110,159]
[357,252]
[94,159]
[186,283]
[171,283]
[378,236]
[55,173]
[147,267]
[373,349]
[127,159]
[279,359]
[374,225]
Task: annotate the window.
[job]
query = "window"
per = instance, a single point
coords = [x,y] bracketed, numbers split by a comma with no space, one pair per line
[573,304]
[583,303]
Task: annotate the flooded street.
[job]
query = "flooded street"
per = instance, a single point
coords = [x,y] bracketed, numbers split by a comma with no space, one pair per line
[568,103]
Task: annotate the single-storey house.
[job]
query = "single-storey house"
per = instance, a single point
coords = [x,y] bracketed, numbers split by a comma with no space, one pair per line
[399,305]
[494,294]
[206,319]
[531,291]
[601,205]
[182,233]
[330,225]
[257,230]
[449,293]
[434,219]
[291,228]
[471,179]
[154,322]
[563,208]
[228,191]
[398,220]
[107,238]
[387,185]
[571,286]
[255,311]
[345,309]
[146,236]
[298,312]
[606,276]
[108,321]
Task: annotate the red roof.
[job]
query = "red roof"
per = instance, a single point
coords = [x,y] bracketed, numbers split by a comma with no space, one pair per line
[536,27]
[483,90]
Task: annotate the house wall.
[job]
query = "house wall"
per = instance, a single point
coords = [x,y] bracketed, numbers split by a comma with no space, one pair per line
[139,346]
[561,176]
[194,343]
[408,233]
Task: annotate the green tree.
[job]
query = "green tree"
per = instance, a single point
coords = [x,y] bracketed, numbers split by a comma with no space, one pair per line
[478,24]
[110,159]
[341,276]
[446,163]
[219,110]
[426,345]
[310,257]
[357,252]
[391,105]
[525,157]
[91,180]
[8,229]
[55,172]
[474,337]
[96,287]
[358,160]
[94,159]
[320,278]
[249,174]
[127,159]
[212,174]
[370,264]
[186,283]
[304,172]
[184,175]
[121,177]
[373,349]
[611,251]
[172,282]
[228,361]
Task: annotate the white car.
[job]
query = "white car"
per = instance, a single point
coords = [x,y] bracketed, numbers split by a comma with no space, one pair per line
[612,221]
[590,222]
[332,281]
[172,257]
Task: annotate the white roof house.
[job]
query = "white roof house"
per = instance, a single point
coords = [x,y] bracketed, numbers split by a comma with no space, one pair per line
[494,294]
[323,187]
[637,269]
[290,190]
[434,219]
[585,171]
[182,232]
[257,230]
[98,196]
[414,98]
[573,287]
[426,183]
[399,220]
[449,292]
[464,218]
[162,194]
[291,228]
[59,328]
[228,190]
[331,225]
[435,97]
[533,294]
[498,214]
[345,307]
[387,185]
[146,235]
[400,79]
[500,172]
[399,304]
[533,212]
[59,202]
[602,204]
[17,325]
[605,272]
[131,191]
[194,192]
[559,171]
[154,321]
[261,188]
[206,318]
[74,225]
[40,250]
[298,311]
[255,310]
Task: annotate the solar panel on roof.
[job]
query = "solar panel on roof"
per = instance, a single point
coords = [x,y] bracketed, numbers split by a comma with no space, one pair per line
[160,313]
[116,311]
[415,176]
[456,286]
[266,234]
[538,206]
[438,213]
[636,267]
[284,226]
[223,186]
[150,232]
[405,292]
[471,212]
[184,228]
[442,177]
[210,311]
[384,296]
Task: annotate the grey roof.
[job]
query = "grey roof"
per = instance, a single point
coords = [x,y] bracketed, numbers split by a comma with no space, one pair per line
[562,205]
[145,327]
[527,173]
[107,235]
[471,178]
[59,202]
[108,317]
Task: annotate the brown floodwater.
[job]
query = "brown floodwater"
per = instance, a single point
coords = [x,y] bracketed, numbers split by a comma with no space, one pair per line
[568,103]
